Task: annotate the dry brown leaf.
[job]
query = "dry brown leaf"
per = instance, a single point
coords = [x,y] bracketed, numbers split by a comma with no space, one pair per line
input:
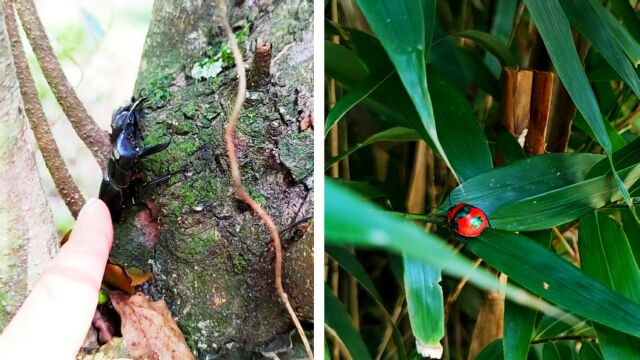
[116,277]
[148,328]
[113,350]
[137,276]
[124,279]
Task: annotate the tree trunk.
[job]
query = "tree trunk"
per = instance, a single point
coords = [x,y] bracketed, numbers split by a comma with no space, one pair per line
[28,238]
[208,251]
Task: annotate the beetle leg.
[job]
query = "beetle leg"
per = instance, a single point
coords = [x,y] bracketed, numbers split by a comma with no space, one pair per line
[154,149]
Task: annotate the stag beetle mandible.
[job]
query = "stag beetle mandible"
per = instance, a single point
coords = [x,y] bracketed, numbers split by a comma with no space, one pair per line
[116,189]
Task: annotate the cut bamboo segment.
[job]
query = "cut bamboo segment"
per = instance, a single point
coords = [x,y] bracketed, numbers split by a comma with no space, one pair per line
[516,101]
[540,112]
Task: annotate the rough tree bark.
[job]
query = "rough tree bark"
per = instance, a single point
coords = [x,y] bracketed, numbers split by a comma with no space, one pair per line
[28,238]
[209,253]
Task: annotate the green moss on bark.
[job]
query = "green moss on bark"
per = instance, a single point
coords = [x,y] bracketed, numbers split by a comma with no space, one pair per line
[211,263]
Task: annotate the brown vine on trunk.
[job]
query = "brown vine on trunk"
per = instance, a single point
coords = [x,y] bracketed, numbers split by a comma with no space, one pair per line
[235,171]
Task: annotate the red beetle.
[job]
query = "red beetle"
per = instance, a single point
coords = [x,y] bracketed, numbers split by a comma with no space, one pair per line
[467,220]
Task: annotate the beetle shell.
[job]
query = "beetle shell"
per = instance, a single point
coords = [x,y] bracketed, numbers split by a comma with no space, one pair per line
[467,220]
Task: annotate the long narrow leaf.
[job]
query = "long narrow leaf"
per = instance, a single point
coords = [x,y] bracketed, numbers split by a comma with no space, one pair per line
[606,256]
[519,321]
[560,206]
[350,220]
[352,98]
[342,64]
[554,279]
[493,351]
[397,134]
[622,35]
[501,28]
[458,128]
[501,186]
[629,16]
[350,263]
[425,305]
[338,319]
[554,28]
[400,26]
[587,16]
[492,44]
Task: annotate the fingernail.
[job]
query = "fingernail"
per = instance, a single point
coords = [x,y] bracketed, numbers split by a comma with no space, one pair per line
[88,205]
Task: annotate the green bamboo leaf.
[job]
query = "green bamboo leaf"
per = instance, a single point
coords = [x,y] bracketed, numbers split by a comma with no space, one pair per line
[353,98]
[553,26]
[443,55]
[504,15]
[350,220]
[400,26]
[562,205]
[337,318]
[554,279]
[624,38]
[370,51]
[590,351]
[629,16]
[550,327]
[515,200]
[492,44]
[476,72]
[519,323]
[327,353]
[587,16]
[628,155]
[501,186]
[362,188]
[350,264]
[606,256]
[559,350]
[509,146]
[632,229]
[617,141]
[493,351]
[458,129]
[397,134]
[342,64]
[425,305]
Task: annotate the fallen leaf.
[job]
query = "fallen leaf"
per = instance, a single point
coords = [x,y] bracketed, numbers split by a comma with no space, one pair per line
[148,329]
[123,279]
[117,278]
[137,276]
[114,349]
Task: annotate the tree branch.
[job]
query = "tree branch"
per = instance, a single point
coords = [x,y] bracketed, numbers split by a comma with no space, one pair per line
[37,119]
[221,12]
[96,139]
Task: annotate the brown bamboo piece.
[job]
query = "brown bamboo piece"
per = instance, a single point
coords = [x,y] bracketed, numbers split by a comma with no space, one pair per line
[516,101]
[539,114]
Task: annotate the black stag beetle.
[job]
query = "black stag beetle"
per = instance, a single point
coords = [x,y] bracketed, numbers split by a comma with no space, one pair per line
[121,175]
